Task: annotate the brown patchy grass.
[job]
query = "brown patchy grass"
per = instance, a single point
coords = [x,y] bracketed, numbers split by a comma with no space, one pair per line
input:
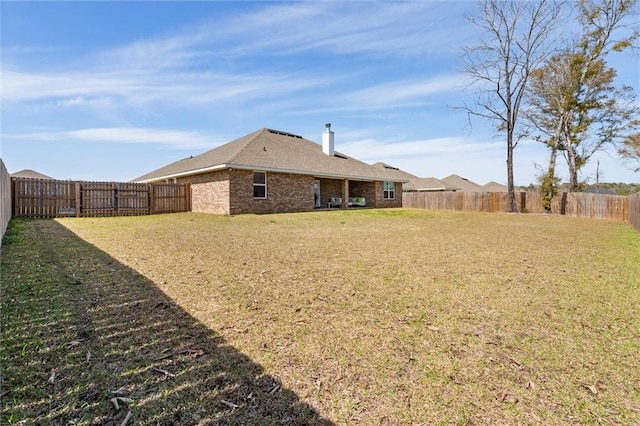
[382,316]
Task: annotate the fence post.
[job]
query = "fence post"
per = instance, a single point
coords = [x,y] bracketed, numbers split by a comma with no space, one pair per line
[115,199]
[78,190]
[563,204]
[150,198]
[13,197]
[187,197]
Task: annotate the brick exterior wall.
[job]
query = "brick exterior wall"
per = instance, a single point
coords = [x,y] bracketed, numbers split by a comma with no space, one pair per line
[381,202]
[209,192]
[285,193]
[230,192]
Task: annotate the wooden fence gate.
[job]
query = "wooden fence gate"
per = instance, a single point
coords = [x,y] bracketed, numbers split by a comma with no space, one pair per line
[43,198]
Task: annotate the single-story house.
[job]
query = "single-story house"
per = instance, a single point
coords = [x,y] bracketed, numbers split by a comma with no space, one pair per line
[269,171]
[30,174]
[463,184]
[414,183]
[493,186]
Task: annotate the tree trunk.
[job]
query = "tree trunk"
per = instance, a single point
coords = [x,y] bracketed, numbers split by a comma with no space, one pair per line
[513,208]
[547,183]
[548,180]
[572,164]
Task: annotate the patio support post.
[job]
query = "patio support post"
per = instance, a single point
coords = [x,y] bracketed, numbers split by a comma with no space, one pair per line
[345,194]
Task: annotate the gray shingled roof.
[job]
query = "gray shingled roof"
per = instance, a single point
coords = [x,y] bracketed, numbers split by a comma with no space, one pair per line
[429,184]
[462,184]
[414,183]
[494,187]
[270,150]
[31,174]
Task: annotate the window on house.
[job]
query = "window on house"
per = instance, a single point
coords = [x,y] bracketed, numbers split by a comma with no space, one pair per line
[389,190]
[259,185]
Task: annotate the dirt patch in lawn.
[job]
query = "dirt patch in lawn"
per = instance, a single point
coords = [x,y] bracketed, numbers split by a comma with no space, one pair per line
[370,317]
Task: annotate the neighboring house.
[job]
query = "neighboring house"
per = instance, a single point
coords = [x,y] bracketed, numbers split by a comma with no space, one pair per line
[414,183]
[269,171]
[494,187]
[31,174]
[462,184]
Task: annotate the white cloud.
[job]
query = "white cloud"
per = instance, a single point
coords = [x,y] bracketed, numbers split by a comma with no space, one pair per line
[135,88]
[382,28]
[124,135]
[182,67]
[412,91]
[370,149]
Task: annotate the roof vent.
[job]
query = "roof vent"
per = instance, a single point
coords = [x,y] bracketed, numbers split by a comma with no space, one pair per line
[278,132]
[327,141]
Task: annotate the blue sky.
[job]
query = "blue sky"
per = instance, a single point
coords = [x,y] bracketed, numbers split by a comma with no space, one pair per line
[113,90]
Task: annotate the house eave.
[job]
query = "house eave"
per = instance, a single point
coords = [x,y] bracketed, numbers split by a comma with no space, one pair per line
[227,166]
[187,173]
[314,173]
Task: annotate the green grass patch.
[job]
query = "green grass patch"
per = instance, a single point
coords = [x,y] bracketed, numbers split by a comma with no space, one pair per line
[12,234]
[354,317]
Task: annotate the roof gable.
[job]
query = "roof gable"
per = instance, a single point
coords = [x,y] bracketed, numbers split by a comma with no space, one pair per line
[462,183]
[31,174]
[494,187]
[271,150]
[394,172]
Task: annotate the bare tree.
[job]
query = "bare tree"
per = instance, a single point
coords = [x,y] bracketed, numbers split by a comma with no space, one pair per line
[517,40]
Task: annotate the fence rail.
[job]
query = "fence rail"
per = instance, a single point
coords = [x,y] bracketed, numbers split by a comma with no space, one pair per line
[43,198]
[577,204]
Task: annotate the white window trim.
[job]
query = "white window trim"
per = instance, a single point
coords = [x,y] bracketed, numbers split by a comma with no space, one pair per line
[260,184]
[392,192]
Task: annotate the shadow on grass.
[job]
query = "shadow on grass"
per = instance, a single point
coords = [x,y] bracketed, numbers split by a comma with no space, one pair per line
[80,328]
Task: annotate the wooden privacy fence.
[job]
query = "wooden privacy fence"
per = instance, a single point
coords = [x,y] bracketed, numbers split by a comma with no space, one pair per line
[461,201]
[577,204]
[5,198]
[43,198]
[634,210]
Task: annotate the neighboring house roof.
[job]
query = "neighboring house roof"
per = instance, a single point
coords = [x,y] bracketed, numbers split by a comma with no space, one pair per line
[394,172]
[271,150]
[429,184]
[31,174]
[494,187]
[595,190]
[462,184]
[414,183]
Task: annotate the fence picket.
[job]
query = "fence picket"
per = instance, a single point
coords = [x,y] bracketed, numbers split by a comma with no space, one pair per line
[634,210]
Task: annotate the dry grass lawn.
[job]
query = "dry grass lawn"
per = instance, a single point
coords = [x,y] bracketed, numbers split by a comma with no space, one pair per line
[370,317]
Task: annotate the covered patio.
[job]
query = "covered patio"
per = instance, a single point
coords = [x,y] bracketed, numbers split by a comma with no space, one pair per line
[344,193]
